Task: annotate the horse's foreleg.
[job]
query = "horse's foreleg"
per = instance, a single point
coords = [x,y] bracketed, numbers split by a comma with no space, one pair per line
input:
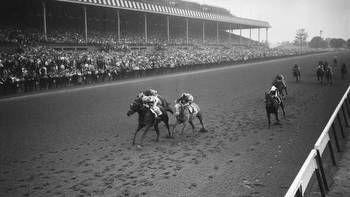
[183,128]
[144,134]
[157,131]
[137,130]
[268,118]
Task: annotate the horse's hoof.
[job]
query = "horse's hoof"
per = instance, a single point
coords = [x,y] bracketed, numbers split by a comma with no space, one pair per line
[202,130]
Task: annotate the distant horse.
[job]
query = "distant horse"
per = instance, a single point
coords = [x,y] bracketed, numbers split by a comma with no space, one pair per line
[184,115]
[296,73]
[320,74]
[343,71]
[280,85]
[329,75]
[147,119]
[272,106]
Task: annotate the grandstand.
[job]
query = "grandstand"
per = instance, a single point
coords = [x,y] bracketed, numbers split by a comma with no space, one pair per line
[121,21]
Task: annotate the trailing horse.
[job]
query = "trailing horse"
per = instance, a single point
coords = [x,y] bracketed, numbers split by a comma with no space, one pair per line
[184,114]
[329,75]
[147,119]
[296,73]
[320,74]
[272,105]
[343,71]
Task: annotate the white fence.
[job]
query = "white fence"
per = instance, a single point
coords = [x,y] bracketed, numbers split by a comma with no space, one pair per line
[313,164]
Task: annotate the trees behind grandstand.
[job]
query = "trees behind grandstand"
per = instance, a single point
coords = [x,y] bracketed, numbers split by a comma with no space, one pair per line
[337,43]
[348,43]
[318,42]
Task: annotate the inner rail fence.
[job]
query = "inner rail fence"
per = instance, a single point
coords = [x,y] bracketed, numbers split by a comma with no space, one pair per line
[314,162]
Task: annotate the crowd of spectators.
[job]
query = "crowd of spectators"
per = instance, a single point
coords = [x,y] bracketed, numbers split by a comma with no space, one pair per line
[38,67]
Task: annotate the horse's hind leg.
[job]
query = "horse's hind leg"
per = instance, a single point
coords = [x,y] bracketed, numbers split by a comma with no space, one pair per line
[174,126]
[166,122]
[192,125]
[200,118]
[137,130]
[183,128]
[276,115]
[268,118]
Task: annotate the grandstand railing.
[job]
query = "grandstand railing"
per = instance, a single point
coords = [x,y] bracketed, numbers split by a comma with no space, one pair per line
[313,163]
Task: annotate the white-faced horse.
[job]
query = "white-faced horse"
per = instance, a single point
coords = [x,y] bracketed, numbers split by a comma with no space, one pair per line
[186,113]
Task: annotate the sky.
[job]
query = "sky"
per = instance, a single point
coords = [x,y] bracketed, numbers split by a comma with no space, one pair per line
[287,16]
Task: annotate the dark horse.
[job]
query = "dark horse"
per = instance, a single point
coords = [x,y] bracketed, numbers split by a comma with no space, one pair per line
[343,71]
[272,106]
[320,74]
[296,73]
[184,115]
[147,119]
[329,75]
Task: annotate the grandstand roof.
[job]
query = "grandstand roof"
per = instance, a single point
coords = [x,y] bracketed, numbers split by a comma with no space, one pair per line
[238,23]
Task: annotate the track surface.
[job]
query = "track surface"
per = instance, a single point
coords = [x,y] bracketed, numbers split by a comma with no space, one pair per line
[78,141]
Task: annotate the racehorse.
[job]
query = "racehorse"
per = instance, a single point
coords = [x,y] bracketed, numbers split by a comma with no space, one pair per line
[272,106]
[280,85]
[147,119]
[184,115]
[343,71]
[329,75]
[296,73]
[320,74]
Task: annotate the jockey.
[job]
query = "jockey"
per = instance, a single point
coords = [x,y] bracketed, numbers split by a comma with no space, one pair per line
[280,78]
[152,102]
[186,99]
[148,92]
[274,93]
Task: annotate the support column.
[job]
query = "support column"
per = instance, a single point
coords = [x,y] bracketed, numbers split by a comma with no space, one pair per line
[86,23]
[168,28]
[258,34]
[186,30]
[267,35]
[240,35]
[203,31]
[250,33]
[146,28]
[230,32]
[217,32]
[118,19]
[44,20]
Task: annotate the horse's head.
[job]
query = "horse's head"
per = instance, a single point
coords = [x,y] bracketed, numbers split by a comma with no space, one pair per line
[270,101]
[134,107]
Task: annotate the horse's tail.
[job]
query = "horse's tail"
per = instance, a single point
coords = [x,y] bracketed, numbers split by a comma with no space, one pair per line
[165,104]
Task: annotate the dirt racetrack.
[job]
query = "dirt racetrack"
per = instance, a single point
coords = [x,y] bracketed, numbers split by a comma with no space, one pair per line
[77,142]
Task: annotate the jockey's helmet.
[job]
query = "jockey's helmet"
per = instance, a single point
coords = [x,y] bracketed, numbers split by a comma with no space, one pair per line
[153,92]
[140,95]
